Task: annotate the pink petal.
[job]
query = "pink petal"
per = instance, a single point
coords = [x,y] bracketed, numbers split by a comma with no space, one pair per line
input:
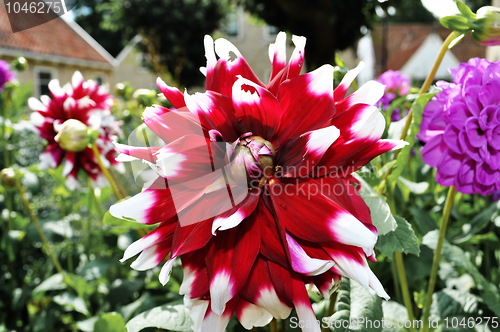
[214,111]
[171,125]
[304,264]
[277,54]
[173,95]
[343,87]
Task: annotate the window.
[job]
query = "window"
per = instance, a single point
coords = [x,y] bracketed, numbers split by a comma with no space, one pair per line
[272,30]
[44,78]
[232,25]
[99,80]
[43,75]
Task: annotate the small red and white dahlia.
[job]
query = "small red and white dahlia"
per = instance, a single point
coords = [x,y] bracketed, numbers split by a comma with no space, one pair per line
[65,119]
[254,191]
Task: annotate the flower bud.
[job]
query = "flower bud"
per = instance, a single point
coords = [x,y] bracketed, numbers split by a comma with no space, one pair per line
[487,30]
[73,136]
[20,63]
[8,177]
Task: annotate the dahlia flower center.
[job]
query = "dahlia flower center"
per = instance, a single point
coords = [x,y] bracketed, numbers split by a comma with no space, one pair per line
[258,157]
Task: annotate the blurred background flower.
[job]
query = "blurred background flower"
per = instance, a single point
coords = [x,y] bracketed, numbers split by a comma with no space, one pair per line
[6,74]
[64,116]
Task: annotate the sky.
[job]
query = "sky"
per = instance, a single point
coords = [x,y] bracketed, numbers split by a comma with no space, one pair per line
[441,8]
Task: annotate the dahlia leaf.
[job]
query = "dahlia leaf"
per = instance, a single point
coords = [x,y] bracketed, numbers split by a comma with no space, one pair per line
[110,322]
[490,293]
[394,314]
[356,309]
[380,210]
[455,22]
[168,317]
[454,302]
[402,239]
[465,10]
[417,108]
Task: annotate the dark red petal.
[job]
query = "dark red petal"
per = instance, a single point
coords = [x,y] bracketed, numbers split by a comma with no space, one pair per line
[298,202]
[257,110]
[301,155]
[215,111]
[306,102]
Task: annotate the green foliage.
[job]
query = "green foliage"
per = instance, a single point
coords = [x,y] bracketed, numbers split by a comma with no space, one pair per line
[402,239]
[172,32]
[329,26]
[355,307]
[168,317]
[110,322]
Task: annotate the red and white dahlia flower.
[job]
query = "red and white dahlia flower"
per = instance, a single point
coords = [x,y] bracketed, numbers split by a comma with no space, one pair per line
[63,119]
[254,191]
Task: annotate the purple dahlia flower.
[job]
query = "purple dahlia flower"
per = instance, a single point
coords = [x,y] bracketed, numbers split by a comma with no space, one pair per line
[5,74]
[461,126]
[396,85]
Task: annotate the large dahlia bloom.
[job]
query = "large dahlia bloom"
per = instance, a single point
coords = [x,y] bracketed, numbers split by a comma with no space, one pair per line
[461,128]
[62,119]
[254,191]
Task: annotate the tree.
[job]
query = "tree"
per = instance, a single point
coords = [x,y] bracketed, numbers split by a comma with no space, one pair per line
[328,25]
[90,15]
[172,32]
[404,11]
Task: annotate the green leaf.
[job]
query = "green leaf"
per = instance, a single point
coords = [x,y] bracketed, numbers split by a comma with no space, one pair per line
[452,302]
[380,210]
[356,309]
[110,322]
[417,109]
[168,317]
[121,225]
[456,22]
[82,287]
[465,10]
[394,315]
[55,282]
[402,239]
[71,302]
[414,187]
[489,292]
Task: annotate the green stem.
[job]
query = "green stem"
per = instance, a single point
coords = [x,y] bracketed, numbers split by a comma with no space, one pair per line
[400,267]
[437,256]
[46,245]
[274,325]
[94,198]
[331,308]
[106,172]
[425,87]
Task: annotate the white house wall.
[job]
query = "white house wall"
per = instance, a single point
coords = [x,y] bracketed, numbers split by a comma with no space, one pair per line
[422,60]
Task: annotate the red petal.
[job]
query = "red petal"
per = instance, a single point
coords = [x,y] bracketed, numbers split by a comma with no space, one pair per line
[257,109]
[173,95]
[327,222]
[301,155]
[306,102]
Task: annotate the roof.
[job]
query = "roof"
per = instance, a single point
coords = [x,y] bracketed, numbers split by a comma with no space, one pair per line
[403,40]
[56,40]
